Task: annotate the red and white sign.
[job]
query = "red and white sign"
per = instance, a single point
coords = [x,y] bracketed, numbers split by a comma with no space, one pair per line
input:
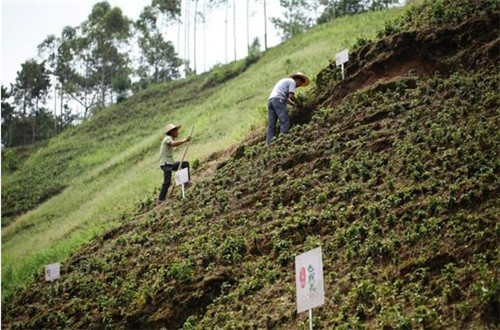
[309,280]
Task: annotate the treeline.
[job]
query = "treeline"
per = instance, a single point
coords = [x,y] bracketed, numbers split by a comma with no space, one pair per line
[91,64]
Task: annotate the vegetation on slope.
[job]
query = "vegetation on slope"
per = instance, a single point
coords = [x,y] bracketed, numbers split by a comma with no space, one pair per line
[104,167]
[398,181]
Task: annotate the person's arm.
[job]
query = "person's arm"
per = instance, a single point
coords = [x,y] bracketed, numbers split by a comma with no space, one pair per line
[291,93]
[180,142]
[291,99]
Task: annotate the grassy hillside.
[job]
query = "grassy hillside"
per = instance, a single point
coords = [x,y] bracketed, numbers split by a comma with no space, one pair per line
[85,180]
[396,176]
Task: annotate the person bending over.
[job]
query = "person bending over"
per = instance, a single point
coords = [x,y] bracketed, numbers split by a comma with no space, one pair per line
[282,94]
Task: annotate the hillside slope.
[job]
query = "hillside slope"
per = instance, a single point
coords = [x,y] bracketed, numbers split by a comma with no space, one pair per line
[395,175]
[94,174]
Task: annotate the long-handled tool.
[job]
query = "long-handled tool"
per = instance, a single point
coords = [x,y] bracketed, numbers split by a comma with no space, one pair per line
[182,160]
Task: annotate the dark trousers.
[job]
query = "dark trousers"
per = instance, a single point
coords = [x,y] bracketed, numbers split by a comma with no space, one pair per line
[167,177]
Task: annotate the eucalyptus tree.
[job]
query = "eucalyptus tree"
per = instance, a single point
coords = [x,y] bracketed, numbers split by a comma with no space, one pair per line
[194,36]
[31,87]
[234,28]
[265,24]
[104,35]
[8,113]
[295,18]
[58,52]
[159,61]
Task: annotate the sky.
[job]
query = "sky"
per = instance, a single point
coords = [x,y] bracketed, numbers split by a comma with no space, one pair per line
[26,23]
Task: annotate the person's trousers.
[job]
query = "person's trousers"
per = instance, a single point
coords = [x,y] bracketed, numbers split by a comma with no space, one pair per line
[167,177]
[276,109]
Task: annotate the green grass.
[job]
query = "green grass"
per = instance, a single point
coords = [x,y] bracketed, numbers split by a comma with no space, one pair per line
[109,164]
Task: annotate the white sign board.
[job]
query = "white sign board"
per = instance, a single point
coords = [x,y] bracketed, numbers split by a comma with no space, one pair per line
[309,280]
[181,177]
[342,57]
[52,272]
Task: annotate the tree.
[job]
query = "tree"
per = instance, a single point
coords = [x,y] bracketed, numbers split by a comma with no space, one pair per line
[194,42]
[159,61]
[296,19]
[338,8]
[381,4]
[31,86]
[170,8]
[58,54]
[67,118]
[90,60]
[105,32]
[265,25]
[234,28]
[8,112]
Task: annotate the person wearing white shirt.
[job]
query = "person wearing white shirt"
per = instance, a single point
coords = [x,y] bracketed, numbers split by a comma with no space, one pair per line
[282,94]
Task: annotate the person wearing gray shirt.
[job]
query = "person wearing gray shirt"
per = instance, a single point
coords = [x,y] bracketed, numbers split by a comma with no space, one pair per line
[282,94]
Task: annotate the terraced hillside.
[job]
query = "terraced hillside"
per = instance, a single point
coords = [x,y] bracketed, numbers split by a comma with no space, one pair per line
[394,172]
[84,181]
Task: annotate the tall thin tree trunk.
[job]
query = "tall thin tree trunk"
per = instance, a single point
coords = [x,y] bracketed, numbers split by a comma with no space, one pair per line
[248,29]
[24,104]
[265,26]
[179,38]
[34,121]
[225,22]
[188,28]
[234,28]
[186,19]
[55,108]
[194,44]
[204,38]
[61,91]
[103,88]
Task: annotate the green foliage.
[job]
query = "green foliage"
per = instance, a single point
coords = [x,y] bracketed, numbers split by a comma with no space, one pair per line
[222,73]
[109,161]
[253,53]
[295,18]
[429,13]
[396,181]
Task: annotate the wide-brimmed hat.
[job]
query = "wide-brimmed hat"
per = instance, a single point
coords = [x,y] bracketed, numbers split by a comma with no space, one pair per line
[302,76]
[171,127]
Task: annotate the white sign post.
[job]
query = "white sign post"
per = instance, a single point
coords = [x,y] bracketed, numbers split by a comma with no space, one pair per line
[309,281]
[52,272]
[181,178]
[341,58]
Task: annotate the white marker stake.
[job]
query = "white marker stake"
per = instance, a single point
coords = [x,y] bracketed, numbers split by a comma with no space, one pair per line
[341,58]
[311,319]
[309,281]
[52,272]
[181,178]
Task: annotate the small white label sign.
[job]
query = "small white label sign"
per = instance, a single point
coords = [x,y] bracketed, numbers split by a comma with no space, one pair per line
[309,280]
[52,272]
[181,176]
[342,57]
